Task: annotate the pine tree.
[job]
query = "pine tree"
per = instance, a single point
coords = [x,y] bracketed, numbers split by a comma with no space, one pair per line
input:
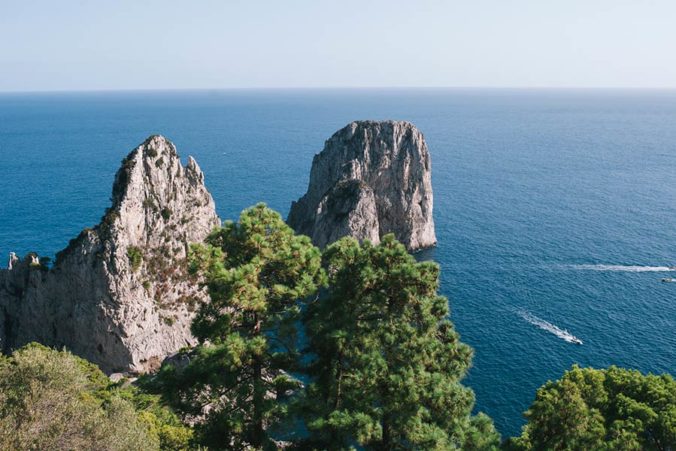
[608,409]
[387,362]
[256,272]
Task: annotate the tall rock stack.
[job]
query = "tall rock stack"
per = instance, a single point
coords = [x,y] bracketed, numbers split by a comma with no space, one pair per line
[372,178]
[119,294]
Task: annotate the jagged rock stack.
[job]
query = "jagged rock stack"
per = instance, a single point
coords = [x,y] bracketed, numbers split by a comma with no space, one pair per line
[119,294]
[372,178]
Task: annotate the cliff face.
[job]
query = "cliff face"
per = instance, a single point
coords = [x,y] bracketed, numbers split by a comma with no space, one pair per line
[372,178]
[119,294]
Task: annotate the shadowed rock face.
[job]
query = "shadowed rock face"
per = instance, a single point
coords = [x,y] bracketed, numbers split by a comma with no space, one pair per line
[119,295]
[372,178]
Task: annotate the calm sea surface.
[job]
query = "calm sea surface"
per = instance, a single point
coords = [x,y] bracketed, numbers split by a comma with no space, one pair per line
[555,210]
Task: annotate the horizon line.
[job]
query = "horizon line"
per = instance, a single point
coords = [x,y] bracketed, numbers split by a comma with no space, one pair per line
[337,88]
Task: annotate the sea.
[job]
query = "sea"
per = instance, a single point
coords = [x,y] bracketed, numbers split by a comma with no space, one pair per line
[555,210]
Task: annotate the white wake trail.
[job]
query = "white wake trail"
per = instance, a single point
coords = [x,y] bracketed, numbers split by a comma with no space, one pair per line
[625,268]
[549,327]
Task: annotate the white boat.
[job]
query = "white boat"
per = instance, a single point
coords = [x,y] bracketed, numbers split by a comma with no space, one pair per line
[570,338]
[669,280]
[563,334]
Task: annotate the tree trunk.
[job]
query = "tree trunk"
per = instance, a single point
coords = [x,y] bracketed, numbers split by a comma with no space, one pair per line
[339,381]
[385,442]
[258,398]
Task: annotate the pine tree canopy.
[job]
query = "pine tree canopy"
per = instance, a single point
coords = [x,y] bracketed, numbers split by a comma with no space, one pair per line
[609,409]
[387,362]
[256,271]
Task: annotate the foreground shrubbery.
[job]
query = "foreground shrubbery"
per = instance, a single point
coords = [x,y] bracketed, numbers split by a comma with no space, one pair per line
[304,350]
[52,400]
[613,409]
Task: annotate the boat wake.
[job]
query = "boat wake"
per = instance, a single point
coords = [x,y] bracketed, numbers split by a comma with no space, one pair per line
[625,268]
[549,327]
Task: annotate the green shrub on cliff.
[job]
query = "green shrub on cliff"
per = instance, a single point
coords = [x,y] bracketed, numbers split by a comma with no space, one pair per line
[610,409]
[135,257]
[53,400]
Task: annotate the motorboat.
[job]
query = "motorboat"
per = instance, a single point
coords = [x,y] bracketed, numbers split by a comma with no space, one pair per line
[570,338]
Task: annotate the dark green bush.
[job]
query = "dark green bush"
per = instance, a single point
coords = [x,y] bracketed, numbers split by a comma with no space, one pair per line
[135,257]
[166,213]
[605,409]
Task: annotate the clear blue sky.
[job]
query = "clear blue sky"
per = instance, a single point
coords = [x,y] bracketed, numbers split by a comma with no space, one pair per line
[165,44]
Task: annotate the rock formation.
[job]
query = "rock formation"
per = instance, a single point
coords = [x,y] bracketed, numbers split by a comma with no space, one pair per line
[372,178]
[119,295]
[13,259]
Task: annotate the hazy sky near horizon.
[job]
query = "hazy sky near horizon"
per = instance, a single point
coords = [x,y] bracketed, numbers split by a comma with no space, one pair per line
[172,44]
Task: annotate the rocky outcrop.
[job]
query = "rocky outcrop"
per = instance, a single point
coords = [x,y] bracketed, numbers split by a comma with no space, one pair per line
[119,295]
[13,259]
[372,178]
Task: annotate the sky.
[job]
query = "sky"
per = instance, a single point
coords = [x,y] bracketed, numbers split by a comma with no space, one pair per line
[48,45]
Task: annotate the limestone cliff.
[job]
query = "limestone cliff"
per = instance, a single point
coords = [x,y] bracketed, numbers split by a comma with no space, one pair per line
[119,294]
[372,178]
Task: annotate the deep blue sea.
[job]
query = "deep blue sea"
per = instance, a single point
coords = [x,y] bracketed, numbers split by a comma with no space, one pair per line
[555,209]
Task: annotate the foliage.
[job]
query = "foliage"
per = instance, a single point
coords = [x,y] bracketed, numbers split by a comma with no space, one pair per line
[387,361]
[45,263]
[383,365]
[135,257]
[605,409]
[256,272]
[163,425]
[166,213]
[123,177]
[149,204]
[52,400]
[33,257]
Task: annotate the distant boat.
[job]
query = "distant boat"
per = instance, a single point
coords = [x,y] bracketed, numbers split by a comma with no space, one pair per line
[625,268]
[669,280]
[563,334]
[570,338]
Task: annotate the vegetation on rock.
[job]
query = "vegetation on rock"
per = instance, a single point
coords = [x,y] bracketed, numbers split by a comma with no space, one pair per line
[135,257]
[166,213]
